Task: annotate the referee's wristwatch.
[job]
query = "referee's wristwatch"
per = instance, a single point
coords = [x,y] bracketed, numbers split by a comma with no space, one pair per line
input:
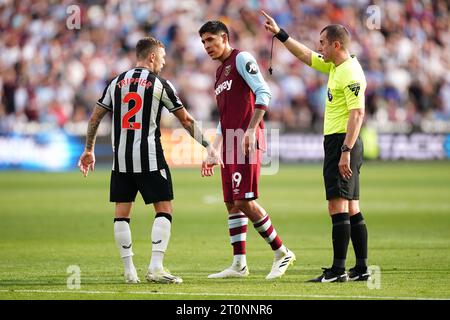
[345,148]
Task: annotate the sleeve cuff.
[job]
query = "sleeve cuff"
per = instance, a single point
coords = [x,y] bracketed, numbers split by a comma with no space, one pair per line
[261,106]
[175,109]
[104,106]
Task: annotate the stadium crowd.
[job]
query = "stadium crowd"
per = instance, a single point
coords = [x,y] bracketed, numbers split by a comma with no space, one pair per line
[52,74]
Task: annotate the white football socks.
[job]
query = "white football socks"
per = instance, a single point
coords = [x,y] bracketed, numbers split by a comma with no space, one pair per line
[239,261]
[160,240]
[280,252]
[122,235]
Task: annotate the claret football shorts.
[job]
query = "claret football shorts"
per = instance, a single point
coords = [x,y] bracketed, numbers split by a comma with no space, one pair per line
[240,180]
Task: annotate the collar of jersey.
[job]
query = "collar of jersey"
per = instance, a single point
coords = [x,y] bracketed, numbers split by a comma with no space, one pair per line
[231,53]
[352,56]
[145,68]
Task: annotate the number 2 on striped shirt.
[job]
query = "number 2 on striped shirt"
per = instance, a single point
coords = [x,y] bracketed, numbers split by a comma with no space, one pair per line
[126,124]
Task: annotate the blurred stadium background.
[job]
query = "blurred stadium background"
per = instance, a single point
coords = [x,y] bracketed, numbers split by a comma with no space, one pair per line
[51,76]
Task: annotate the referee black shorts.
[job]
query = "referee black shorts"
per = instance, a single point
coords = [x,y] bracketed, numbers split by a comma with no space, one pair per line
[335,185]
[154,186]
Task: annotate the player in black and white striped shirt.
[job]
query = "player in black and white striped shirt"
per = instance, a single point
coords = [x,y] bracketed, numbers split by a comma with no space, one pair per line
[136,98]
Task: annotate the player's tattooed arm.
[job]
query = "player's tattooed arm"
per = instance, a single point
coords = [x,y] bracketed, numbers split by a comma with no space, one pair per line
[188,122]
[217,144]
[87,159]
[196,133]
[94,122]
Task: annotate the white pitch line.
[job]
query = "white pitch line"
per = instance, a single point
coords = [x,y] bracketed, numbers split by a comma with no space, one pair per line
[222,294]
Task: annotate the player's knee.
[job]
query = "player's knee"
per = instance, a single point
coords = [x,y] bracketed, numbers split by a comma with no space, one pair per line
[239,204]
[337,205]
[244,205]
[123,209]
[163,206]
[353,207]
[231,208]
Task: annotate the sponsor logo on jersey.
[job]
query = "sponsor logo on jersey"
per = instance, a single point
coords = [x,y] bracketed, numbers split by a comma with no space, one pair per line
[227,70]
[330,96]
[226,85]
[355,87]
[251,67]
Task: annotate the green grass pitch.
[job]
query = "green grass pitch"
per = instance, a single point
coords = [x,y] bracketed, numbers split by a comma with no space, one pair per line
[49,221]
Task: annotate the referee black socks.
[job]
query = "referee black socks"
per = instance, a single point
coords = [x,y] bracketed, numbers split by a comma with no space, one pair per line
[341,238]
[359,239]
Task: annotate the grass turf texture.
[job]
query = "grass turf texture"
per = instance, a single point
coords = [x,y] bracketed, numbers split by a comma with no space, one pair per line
[49,221]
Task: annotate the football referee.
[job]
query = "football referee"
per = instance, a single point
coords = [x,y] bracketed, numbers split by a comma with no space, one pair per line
[344,113]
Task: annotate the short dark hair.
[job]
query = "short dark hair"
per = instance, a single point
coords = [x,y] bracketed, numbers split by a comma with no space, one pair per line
[337,32]
[214,27]
[145,46]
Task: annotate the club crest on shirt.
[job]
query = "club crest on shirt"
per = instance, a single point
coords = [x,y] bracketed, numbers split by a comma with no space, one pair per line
[355,87]
[330,96]
[227,70]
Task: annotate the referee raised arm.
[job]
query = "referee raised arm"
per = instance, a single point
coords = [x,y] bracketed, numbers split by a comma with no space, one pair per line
[344,113]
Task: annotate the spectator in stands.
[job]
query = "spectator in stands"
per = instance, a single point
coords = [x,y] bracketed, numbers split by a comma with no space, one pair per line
[51,74]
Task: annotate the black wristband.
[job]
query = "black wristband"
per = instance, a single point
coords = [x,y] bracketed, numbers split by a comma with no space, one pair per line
[205,143]
[282,35]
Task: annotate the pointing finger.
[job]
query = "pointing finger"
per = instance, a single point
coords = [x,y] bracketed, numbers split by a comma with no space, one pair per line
[265,14]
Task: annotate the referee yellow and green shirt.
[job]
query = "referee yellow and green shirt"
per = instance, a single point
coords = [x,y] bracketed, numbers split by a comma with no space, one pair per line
[346,87]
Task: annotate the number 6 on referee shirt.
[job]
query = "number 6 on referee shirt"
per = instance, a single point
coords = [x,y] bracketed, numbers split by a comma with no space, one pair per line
[126,124]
